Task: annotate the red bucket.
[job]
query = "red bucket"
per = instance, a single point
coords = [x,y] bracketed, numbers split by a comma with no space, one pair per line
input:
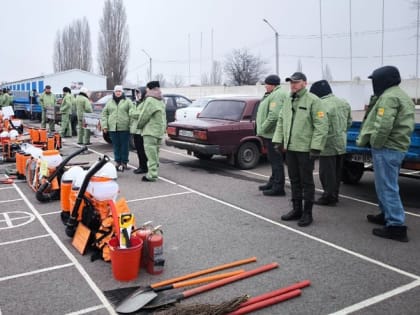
[125,261]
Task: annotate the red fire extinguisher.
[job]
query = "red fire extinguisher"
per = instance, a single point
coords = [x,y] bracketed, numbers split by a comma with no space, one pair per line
[154,251]
[152,255]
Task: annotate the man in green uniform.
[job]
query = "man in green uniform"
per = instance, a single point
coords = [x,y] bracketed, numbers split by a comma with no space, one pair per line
[152,120]
[83,105]
[2,91]
[65,109]
[267,115]
[47,99]
[301,129]
[332,157]
[387,130]
[8,98]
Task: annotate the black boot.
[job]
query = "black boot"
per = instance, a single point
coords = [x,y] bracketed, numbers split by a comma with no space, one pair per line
[393,232]
[266,186]
[295,213]
[306,218]
[377,219]
[276,190]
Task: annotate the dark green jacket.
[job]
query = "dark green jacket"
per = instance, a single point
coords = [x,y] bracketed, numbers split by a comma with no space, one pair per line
[268,112]
[390,122]
[339,120]
[302,124]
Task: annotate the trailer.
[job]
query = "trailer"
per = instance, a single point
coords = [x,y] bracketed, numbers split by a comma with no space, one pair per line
[359,159]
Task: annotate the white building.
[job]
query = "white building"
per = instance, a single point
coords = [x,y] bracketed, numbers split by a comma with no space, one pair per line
[74,79]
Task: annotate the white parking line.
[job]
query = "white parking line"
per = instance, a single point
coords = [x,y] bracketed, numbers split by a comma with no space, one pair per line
[377,298]
[86,310]
[70,256]
[10,200]
[34,272]
[25,239]
[160,196]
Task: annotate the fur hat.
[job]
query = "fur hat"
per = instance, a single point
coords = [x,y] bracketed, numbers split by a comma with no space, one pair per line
[153,84]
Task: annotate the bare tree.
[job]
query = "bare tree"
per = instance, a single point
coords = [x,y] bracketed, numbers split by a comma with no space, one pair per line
[205,80]
[216,73]
[178,81]
[72,48]
[242,68]
[113,43]
[159,77]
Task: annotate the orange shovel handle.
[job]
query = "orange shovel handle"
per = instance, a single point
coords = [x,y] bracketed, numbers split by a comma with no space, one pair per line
[204,272]
[207,279]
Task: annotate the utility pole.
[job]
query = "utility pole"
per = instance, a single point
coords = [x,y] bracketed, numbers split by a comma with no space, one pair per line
[150,64]
[276,36]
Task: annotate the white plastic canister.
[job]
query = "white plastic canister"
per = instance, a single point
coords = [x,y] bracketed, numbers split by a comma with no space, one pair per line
[52,157]
[102,188]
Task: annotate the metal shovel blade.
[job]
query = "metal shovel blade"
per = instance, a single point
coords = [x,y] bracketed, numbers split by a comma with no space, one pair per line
[135,302]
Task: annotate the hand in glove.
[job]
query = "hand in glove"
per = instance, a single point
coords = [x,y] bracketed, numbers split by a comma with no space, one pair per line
[278,147]
[314,154]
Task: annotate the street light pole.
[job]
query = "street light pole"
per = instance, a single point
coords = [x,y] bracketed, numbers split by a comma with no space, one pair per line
[150,64]
[276,35]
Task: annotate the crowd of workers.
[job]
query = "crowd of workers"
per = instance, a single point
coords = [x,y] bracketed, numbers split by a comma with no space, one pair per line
[300,127]
[6,97]
[145,119]
[307,125]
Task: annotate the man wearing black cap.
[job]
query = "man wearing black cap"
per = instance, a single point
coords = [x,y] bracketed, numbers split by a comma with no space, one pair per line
[47,99]
[268,112]
[331,158]
[301,129]
[152,121]
[65,110]
[387,130]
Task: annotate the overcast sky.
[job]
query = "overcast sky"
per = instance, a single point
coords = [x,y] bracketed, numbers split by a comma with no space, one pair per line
[177,34]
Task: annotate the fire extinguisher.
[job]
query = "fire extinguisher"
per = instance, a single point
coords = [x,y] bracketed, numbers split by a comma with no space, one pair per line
[154,251]
[143,232]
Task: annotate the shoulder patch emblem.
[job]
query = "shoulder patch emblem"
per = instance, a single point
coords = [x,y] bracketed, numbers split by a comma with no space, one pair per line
[320,114]
[381,111]
[272,105]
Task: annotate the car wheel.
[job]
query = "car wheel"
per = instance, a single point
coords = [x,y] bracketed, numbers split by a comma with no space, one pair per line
[203,156]
[106,137]
[248,156]
[352,172]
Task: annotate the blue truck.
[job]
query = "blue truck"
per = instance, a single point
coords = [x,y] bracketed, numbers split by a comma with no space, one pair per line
[358,160]
[26,105]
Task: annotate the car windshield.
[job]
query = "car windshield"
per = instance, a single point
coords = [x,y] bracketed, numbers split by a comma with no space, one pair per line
[201,102]
[223,109]
[104,99]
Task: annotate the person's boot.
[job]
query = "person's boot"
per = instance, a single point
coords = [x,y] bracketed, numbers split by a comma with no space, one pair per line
[326,201]
[306,218]
[275,190]
[393,232]
[295,213]
[265,186]
[376,218]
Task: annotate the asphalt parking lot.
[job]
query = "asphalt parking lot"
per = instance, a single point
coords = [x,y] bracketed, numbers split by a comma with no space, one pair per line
[212,214]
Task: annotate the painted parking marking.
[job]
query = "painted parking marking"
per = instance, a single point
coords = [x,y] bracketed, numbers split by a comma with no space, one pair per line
[10,200]
[13,219]
[34,272]
[24,239]
[160,196]
[86,310]
[70,256]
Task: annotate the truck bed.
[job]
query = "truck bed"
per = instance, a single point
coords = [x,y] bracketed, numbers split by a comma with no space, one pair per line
[412,158]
